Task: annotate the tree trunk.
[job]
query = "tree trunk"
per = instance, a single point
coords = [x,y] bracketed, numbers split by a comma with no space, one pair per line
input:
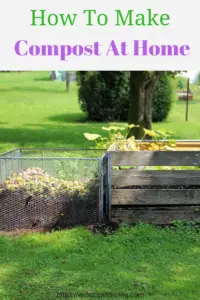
[53,75]
[67,81]
[142,86]
[137,102]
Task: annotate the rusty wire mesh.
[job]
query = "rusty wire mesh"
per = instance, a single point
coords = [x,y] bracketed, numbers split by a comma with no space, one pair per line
[52,188]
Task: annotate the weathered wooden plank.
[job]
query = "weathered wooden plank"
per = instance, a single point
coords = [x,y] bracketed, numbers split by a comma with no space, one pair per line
[193,145]
[123,178]
[155,197]
[163,215]
[155,158]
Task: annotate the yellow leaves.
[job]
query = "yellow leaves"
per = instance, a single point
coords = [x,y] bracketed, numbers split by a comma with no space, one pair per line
[152,147]
[150,132]
[132,139]
[132,145]
[169,148]
[118,135]
[113,128]
[172,143]
[128,145]
[132,126]
[91,137]
[106,128]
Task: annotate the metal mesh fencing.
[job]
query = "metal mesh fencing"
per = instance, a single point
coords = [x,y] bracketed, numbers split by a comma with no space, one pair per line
[52,188]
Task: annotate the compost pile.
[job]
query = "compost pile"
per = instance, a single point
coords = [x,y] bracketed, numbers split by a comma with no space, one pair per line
[37,181]
[35,199]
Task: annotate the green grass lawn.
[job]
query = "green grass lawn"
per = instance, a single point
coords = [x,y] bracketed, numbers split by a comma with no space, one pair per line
[142,262]
[36,112]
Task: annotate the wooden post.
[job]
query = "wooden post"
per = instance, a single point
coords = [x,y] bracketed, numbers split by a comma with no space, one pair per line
[53,75]
[108,185]
[67,81]
[187,100]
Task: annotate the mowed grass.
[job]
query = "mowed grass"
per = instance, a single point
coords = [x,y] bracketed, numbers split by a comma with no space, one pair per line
[36,112]
[141,262]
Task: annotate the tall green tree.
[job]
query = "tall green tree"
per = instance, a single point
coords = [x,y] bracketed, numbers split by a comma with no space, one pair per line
[198,79]
[180,84]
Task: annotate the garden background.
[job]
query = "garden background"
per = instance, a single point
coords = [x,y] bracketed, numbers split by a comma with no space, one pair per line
[37,112]
[143,262]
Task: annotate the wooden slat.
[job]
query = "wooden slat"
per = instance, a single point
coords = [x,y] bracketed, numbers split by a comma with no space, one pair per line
[123,178]
[183,144]
[188,145]
[193,145]
[155,158]
[164,215]
[155,197]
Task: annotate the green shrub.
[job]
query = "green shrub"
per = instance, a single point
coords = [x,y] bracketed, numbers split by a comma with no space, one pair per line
[162,99]
[104,95]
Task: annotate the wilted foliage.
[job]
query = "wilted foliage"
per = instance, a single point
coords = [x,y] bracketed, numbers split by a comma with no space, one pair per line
[36,180]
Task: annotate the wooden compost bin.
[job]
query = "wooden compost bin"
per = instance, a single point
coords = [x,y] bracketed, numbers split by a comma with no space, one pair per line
[158,197]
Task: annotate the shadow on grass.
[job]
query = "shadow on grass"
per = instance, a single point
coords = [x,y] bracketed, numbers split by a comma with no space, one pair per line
[141,262]
[77,117]
[42,79]
[184,102]
[36,89]
[70,135]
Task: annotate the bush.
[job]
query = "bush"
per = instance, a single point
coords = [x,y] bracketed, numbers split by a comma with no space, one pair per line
[104,95]
[162,99]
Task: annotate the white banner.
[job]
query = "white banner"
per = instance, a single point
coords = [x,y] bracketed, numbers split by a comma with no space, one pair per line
[99,35]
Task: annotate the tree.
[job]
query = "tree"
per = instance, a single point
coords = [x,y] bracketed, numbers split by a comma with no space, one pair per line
[104,95]
[162,98]
[180,84]
[142,86]
[120,95]
[53,75]
[198,79]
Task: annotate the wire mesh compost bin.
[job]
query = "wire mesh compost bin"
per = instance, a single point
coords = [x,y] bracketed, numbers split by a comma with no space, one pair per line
[53,188]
